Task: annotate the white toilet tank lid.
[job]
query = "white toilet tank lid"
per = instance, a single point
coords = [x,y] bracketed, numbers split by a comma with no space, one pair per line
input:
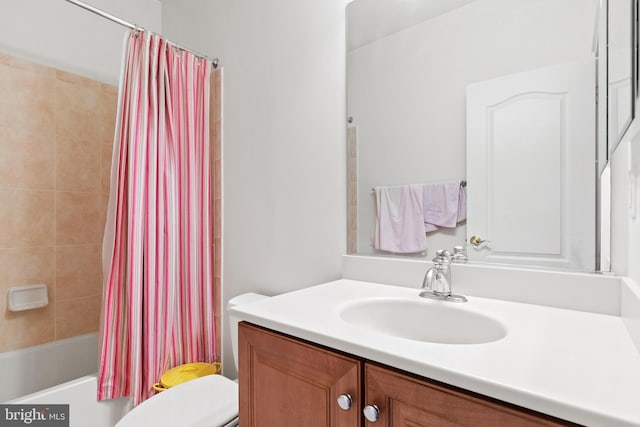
[206,401]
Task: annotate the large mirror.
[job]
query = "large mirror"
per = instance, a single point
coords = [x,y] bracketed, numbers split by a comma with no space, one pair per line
[497,94]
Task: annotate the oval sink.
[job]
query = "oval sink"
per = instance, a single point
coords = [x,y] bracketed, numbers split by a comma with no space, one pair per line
[427,321]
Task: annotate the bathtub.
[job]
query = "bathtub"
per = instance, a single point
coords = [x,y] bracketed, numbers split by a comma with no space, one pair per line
[35,368]
[61,371]
[84,409]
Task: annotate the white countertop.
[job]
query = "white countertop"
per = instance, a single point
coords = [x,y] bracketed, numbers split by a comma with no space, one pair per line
[574,365]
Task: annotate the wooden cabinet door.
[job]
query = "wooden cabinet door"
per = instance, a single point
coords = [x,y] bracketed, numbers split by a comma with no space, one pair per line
[405,401]
[288,383]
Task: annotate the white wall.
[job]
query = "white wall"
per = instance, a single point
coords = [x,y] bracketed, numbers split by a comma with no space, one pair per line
[284,157]
[61,35]
[625,205]
[633,252]
[407,91]
[625,225]
[620,220]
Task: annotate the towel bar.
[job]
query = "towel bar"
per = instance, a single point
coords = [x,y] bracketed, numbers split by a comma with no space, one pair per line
[463,183]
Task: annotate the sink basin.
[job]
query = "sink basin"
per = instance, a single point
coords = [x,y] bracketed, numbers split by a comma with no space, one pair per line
[427,321]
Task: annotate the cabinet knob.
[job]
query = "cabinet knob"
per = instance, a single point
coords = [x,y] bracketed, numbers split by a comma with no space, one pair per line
[344,402]
[371,413]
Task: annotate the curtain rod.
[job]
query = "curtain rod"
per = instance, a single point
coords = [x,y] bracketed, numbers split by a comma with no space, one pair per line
[102,13]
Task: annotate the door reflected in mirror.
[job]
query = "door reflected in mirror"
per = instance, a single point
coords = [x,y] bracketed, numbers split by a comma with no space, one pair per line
[498,93]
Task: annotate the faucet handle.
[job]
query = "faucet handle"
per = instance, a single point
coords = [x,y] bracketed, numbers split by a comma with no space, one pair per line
[442,256]
[459,254]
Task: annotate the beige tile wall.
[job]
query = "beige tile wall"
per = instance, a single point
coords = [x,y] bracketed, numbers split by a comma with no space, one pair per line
[56,140]
[215,135]
[56,133]
[352,189]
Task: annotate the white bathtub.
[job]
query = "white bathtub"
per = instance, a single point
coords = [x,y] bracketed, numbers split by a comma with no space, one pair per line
[35,368]
[61,371]
[84,409]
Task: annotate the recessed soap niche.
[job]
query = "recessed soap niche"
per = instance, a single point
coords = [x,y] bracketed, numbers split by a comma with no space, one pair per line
[28,297]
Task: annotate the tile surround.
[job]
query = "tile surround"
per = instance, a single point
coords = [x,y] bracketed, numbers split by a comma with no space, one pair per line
[78,218]
[215,137]
[77,316]
[27,218]
[56,131]
[26,103]
[77,164]
[56,136]
[78,271]
[34,151]
[106,152]
[352,189]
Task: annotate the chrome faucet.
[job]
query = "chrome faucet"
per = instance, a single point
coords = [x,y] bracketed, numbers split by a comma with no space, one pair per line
[437,280]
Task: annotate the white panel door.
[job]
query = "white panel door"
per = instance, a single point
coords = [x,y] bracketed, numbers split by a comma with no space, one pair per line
[531,167]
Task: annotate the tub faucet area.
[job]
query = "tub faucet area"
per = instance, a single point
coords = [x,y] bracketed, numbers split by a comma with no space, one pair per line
[437,280]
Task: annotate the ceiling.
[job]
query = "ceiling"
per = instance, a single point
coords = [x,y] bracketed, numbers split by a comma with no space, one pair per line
[370,20]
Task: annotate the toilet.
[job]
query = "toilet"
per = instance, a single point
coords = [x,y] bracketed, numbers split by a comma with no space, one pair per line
[210,401]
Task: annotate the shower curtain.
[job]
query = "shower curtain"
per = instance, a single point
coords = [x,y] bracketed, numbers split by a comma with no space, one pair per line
[158,297]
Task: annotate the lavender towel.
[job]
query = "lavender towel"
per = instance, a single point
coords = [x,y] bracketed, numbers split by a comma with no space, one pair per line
[444,205]
[400,219]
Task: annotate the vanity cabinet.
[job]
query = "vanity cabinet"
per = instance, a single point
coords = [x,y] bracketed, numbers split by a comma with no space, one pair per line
[285,382]
[288,383]
[405,400]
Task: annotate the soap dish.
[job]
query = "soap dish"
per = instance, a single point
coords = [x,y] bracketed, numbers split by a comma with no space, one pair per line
[28,297]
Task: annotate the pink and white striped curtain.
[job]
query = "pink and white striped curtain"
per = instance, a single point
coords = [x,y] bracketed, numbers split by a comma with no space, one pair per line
[158,302]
